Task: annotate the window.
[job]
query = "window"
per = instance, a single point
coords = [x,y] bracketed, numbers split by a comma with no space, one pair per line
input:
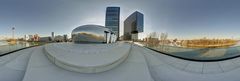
[112,23]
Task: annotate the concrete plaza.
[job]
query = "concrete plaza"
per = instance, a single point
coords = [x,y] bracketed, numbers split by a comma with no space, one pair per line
[141,64]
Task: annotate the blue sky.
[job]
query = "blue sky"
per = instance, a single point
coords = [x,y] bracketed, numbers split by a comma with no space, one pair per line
[179,18]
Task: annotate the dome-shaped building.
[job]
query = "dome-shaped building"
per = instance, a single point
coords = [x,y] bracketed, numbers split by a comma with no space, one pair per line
[92,34]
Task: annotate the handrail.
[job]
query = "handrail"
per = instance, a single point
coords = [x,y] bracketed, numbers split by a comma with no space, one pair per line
[17,50]
[196,60]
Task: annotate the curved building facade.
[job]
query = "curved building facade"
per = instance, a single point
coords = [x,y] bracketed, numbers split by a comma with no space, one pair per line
[93,34]
[133,25]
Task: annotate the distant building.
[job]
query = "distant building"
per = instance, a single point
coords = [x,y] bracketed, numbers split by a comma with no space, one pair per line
[30,38]
[26,37]
[112,19]
[59,38]
[65,38]
[36,37]
[133,25]
[45,39]
[52,38]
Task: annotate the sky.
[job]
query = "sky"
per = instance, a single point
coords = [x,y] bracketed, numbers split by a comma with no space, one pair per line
[179,18]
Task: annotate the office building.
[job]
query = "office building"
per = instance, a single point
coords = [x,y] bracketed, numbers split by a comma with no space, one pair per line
[112,19]
[133,25]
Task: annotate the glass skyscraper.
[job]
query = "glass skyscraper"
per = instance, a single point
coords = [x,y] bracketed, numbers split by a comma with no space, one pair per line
[133,25]
[112,19]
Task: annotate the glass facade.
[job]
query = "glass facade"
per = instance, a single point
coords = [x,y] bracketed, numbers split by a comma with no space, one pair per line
[112,19]
[92,34]
[133,25]
[139,21]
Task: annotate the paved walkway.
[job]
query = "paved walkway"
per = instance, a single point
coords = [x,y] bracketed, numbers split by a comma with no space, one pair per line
[142,64]
[41,69]
[13,66]
[166,68]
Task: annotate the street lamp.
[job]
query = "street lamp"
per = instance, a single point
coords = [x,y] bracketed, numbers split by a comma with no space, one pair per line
[13,28]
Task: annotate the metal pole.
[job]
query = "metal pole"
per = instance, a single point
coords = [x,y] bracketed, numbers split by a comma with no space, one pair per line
[13,32]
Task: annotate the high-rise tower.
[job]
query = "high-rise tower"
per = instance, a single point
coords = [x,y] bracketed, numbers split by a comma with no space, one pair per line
[112,19]
[133,25]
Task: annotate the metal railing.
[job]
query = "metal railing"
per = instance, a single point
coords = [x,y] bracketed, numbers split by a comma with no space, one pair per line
[9,48]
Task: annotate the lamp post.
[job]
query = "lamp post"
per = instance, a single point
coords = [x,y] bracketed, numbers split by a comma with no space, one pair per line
[13,29]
